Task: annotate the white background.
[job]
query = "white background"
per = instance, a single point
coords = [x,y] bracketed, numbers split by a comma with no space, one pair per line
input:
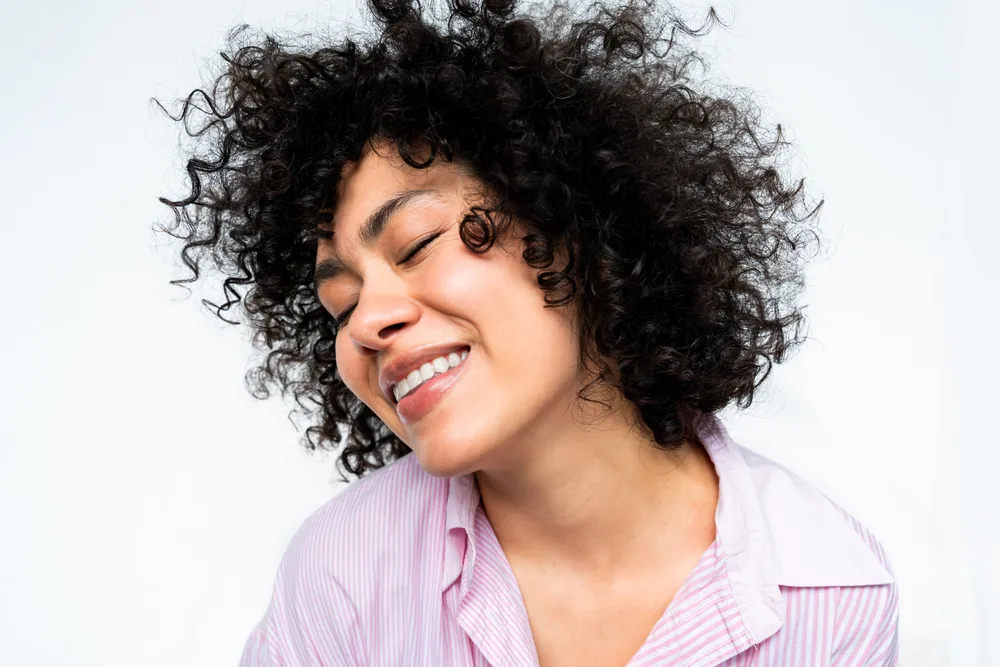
[146,499]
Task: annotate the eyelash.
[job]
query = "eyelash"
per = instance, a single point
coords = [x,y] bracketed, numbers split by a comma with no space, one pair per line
[339,321]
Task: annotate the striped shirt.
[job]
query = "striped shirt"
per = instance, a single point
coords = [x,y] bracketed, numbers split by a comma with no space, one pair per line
[403,569]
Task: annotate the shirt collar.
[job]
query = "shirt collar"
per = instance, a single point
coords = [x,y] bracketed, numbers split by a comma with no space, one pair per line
[460,516]
[773,528]
[808,538]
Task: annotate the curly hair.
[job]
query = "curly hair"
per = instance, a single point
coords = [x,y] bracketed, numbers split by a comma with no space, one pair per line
[685,244]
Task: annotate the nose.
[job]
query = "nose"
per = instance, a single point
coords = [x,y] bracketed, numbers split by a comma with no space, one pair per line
[379,316]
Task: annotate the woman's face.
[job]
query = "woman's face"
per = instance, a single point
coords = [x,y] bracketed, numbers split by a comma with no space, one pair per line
[521,370]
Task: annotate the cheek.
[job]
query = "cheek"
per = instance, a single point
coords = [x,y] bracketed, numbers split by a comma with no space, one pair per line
[458,283]
[470,285]
[499,296]
[350,366]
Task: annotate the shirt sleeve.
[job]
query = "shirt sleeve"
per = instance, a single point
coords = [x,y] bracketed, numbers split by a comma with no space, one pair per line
[310,622]
[868,627]
[255,649]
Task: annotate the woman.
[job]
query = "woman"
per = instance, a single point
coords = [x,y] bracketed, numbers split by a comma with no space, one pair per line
[518,264]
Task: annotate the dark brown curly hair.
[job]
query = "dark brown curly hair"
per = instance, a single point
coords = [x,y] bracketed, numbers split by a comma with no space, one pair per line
[685,243]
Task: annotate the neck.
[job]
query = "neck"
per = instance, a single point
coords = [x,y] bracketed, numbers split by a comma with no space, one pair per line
[599,499]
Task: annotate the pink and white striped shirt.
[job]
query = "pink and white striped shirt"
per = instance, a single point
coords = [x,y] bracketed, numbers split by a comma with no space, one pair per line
[403,569]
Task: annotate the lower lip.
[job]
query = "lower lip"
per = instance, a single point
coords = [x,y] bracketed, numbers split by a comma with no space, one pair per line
[419,402]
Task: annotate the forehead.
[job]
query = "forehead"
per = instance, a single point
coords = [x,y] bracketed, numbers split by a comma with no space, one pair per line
[381,173]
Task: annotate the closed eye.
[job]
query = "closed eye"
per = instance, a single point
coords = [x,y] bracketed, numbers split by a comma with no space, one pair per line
[420,246]
[339,320]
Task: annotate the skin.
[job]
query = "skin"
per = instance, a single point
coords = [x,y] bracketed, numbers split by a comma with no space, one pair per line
[600,528]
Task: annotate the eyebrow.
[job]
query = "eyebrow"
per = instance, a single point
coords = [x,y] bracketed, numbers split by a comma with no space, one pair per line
[371,231]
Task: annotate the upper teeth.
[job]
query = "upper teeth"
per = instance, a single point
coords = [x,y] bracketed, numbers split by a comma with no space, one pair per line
[426,372]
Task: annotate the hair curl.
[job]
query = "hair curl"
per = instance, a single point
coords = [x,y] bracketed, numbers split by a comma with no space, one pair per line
[684,243]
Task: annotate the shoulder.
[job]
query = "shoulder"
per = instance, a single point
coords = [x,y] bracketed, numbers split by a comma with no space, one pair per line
[382,519]
[347,560]
[814,541]
[817,544]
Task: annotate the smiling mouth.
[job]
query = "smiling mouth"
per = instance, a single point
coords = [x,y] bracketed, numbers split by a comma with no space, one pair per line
[462,352]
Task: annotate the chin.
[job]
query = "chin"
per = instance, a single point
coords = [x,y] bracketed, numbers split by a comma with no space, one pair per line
[446,460]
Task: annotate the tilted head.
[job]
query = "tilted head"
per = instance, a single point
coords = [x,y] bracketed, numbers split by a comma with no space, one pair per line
[550,198]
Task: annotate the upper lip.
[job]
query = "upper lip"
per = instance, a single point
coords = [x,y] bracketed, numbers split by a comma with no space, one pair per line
[404,364]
